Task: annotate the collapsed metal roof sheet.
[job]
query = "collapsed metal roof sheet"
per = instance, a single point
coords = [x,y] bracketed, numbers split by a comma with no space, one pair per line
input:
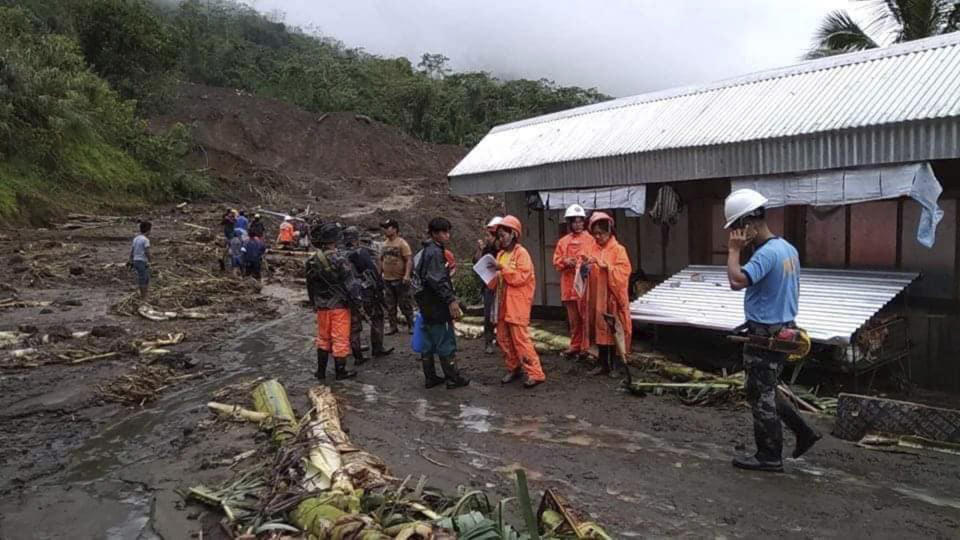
[833,303]
[900,103]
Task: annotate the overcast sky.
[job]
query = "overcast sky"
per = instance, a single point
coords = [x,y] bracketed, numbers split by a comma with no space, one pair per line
[622,47]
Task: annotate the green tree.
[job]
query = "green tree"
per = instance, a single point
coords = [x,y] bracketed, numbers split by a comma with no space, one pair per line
[907,19]
[127,44]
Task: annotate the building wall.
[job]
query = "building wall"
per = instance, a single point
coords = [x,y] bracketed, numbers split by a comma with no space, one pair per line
[875,235]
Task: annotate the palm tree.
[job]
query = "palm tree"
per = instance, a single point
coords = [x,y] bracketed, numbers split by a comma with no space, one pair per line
[906,19]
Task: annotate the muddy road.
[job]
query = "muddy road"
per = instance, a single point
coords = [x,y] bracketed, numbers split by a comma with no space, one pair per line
[78,465]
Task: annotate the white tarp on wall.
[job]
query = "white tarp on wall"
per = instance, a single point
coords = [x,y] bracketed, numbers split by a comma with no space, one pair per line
[849,186]
[632,198]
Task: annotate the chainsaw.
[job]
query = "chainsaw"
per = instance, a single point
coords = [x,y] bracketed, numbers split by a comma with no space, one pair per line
[793,342]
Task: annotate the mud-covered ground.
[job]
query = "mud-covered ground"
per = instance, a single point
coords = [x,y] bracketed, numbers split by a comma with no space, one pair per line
[75,463]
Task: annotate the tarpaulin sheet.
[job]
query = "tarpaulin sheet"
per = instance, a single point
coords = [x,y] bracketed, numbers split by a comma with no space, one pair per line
[849,186]
[631,198]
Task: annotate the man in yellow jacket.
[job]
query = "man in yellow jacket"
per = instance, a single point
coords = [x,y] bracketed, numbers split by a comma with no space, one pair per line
[514,284]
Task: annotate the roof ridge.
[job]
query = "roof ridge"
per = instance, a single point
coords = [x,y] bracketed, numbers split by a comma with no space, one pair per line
[809,66]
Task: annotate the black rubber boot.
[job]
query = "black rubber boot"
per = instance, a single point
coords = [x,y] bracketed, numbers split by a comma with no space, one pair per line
[511,376]
[382,352]
[751,463]
[452,374]
[358,359]
[342,372]
[322,359]
[603,362]
[805,441]
[430,378]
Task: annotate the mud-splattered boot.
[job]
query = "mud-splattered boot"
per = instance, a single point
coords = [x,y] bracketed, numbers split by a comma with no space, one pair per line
[342,372]
[358,359]
[430,371]
[603,362]
[452,374]
[322,358]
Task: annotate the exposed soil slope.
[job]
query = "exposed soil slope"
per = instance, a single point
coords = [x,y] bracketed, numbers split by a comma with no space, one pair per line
[340,165]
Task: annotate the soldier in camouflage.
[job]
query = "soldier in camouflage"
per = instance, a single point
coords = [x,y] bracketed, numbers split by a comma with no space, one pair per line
[371,287]
[772,281]
[333,290]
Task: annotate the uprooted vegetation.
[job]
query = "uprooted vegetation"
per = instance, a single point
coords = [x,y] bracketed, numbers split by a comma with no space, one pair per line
[318,484]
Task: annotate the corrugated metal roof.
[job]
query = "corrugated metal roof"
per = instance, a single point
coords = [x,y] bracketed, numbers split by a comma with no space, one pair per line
[887,105]
[833,303]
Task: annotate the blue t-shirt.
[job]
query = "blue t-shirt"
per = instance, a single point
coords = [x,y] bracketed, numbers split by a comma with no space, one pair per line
[242,223]
[774,291]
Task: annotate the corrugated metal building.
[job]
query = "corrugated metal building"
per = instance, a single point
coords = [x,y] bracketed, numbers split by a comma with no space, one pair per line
[857,112]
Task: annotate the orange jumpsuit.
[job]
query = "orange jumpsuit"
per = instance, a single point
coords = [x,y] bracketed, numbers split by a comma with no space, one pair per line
[286,233]
[333,331]
[572,245]
[515,285]
[607,292]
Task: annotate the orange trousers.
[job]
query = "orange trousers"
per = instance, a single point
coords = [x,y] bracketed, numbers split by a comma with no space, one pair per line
[333,331]
[518,351]
[576,325]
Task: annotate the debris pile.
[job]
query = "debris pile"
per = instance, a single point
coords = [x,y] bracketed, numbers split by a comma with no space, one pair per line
[179,297]
[320,485]
[28,347]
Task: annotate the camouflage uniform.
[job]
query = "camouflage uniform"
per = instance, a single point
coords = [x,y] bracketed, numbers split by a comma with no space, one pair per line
[333,290]
[371,285]
[768,405]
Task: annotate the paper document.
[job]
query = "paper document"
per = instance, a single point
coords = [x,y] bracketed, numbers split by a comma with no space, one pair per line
[486,268]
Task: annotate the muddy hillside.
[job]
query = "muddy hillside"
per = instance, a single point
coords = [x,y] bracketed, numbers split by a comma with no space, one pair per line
[339,165]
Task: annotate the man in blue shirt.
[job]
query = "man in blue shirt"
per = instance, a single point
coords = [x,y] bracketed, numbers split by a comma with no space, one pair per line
[772,281]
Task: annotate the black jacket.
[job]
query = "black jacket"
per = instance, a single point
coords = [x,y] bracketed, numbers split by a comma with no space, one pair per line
[256,228]
[371,282]
[434,290]
[331,281]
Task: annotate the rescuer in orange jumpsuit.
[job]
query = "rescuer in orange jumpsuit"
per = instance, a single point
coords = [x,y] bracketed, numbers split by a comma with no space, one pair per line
[285,238]
[606,293]
[514,284]
[333,290]
[565,257]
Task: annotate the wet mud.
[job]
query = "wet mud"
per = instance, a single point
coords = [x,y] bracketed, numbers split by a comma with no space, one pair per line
[75,466]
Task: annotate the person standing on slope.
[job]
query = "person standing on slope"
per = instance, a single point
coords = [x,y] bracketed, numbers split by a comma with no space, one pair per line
[772,281]
[514,284]
[565,258]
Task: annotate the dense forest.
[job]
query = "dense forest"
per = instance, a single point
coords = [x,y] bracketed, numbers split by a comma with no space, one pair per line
[78,78]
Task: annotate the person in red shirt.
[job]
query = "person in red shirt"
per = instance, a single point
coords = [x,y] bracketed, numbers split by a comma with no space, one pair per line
[451,261]
[569,248]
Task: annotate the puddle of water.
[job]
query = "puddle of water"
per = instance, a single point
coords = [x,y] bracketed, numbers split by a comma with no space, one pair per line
[921,495]
[568,431]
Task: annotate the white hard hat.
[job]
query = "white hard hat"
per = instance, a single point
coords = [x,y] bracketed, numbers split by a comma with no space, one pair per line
[494,222]
[574,211]
[741,203]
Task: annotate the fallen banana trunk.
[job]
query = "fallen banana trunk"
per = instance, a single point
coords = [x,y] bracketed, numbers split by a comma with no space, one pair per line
[909,441]
[270,398]
[543,341]
[151,314]
[238,412]
[330,489]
